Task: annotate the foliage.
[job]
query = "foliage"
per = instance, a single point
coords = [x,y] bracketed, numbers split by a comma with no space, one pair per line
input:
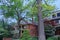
[49,31]
[46,10]
[17,7]
[34,38]
[7,34]
[26,35]
[14,8]
[3,31]
[54,38]
[1,27]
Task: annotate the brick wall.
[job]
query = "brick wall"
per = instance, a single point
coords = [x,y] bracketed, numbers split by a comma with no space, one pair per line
[33,29]
[7,38]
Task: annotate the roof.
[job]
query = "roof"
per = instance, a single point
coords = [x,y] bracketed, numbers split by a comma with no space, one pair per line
[56,11]
[50,17]
[24,22]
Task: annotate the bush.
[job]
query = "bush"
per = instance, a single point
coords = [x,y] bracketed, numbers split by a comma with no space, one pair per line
[49,31]
[26,35]
[34,38]
[54,38]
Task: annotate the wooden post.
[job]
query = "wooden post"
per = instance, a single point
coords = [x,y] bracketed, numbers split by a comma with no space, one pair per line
[21,31]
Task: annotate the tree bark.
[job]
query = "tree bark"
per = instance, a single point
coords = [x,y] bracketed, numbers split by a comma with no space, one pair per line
[41,34]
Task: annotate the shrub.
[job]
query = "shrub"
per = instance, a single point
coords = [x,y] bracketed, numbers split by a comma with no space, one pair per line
[26,35]
[54,38]
[34,38]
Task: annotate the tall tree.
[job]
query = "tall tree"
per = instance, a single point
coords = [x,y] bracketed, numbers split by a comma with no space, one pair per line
[46,10]
[14,9]
[40,22]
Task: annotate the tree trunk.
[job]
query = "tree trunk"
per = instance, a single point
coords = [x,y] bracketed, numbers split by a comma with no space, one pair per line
[32,19]
[17,31]
[41,35]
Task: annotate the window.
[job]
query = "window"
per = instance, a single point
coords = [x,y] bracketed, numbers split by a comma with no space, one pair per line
[24,27]
[54,15]
[58,14]
[22,31]
[57,21]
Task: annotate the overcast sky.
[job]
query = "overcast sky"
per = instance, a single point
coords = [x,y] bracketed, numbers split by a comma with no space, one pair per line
[57,2]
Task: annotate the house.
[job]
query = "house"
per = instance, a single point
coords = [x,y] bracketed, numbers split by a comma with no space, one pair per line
[25,25]
[54,20]
[33,28]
